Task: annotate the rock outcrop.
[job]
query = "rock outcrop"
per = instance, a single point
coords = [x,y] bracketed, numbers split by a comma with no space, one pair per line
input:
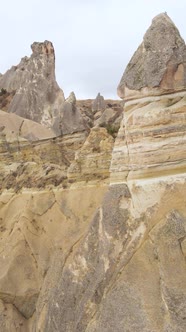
[92,161]
[78,254]
[70,119]
[98,104]
[159,64]
[153,126]
[109,116]
[30,90]
[38,96]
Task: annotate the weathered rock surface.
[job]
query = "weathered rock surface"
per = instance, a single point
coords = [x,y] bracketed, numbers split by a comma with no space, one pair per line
[124,276]
[14,126]
[5,99]
[78,255]
[30,90]
[151,139]
[38,96]
[159,64]
[38,225]
[98,103]
[110,115]
[92,161]
[70,120]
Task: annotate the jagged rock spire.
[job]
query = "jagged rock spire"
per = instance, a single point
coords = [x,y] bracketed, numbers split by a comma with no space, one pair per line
[71,98]
[42,48]
[98,103]
[37,94]
[159,62]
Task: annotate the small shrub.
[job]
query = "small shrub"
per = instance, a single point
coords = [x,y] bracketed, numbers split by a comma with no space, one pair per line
[111,129]
[3,92]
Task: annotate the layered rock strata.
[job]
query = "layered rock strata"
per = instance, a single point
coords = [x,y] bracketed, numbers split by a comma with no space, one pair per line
[151,138]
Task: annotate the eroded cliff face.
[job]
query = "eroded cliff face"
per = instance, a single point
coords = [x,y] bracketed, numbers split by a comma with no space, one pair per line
[95,239]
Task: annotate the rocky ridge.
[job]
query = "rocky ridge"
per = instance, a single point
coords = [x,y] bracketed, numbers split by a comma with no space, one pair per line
[83,255]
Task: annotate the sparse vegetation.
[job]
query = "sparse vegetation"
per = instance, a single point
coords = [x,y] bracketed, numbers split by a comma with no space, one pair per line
[5,99]
[3,92]
[111,129]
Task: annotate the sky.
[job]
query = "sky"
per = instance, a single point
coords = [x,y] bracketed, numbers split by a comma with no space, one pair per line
[93,39]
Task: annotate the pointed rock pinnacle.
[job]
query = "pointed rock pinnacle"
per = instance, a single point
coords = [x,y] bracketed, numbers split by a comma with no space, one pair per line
[159,62]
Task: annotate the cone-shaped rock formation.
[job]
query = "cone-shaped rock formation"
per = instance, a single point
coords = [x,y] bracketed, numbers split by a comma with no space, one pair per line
[159,64]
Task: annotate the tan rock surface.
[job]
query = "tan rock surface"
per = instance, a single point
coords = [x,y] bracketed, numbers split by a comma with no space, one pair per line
[151,139]
[37,224]
[92,161]
[15,126]
[129,272]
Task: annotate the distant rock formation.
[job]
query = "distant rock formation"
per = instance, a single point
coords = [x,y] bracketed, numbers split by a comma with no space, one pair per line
[70,119]
[98,104]
[111,115]
[159,64]
[38,96]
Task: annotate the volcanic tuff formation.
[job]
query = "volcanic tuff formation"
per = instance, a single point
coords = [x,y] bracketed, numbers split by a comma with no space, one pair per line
[159,64]
[98,104]
[78,254]
[37,95]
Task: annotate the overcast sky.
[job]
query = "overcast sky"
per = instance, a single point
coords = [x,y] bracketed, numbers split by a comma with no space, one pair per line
[93,39]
